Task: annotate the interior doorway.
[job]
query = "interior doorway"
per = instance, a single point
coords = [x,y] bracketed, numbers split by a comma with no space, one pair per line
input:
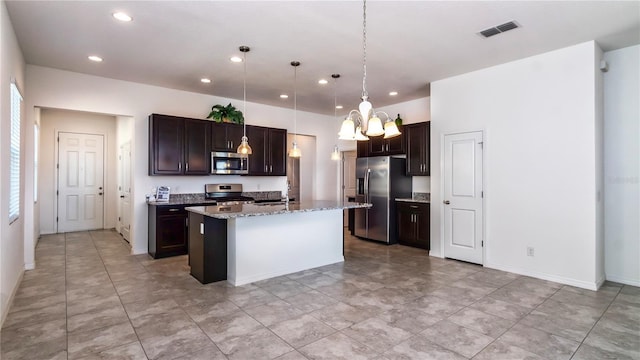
[80,181]
[463,197]
[306,165]
[124,191]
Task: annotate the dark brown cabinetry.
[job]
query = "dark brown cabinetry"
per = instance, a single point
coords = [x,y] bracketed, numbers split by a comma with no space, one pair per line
[379,146]
[269,151]
[179,146]
[413,224]
[226,137]
[168,230]
[207,248]
[418,144]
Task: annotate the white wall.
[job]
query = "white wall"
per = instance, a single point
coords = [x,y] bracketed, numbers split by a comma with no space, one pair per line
[12,66]
[53,121]
[539,117]
[622,165]
[51,88]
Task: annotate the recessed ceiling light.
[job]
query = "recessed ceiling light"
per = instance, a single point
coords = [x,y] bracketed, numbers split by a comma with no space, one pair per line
[236,59]
[284,96]
[205,80]
[323,82]
[122,16]
[95,58]
[393,93]
[338,106]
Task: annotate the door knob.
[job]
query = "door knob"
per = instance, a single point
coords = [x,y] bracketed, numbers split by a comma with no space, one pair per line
[100,194]
[121,196]
[446,202]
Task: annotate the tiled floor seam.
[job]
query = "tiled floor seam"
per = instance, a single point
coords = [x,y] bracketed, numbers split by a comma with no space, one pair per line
[119,299]
[595,323]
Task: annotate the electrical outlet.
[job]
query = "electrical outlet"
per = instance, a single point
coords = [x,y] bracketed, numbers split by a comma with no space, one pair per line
[529,251]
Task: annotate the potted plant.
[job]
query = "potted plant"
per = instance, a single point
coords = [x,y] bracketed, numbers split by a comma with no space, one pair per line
[229,113]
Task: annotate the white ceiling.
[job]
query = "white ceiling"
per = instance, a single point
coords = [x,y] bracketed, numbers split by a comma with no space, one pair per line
[410,43]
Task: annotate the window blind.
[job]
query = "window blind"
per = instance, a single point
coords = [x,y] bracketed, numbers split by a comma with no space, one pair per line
[14,163]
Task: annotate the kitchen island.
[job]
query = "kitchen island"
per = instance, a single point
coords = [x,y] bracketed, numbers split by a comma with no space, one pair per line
[244,243]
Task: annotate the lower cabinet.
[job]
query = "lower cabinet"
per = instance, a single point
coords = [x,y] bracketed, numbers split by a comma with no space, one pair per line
[413,224]
[168,230]
[207,248]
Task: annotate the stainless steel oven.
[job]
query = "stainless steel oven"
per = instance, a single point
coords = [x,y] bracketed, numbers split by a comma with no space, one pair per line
[225,163]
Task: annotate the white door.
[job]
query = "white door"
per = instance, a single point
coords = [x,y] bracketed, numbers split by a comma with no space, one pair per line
[348,179]
[463,220]
[125,191]
[80,181]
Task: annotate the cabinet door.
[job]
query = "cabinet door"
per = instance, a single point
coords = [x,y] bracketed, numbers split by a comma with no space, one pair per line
[197,151]
[219,137]
[166,134]
[234,136]
[278,152]
[362,148]
[171,234]
[258,159]
[416,138]
[377,146]
[395,145]
[423,227]
[406,228]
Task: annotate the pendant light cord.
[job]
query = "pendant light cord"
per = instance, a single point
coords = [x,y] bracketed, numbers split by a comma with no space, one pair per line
[244,93]
[364,49]
[295,104]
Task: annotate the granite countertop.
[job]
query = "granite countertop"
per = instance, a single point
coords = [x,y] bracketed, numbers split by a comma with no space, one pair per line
[246,210]
[422,201]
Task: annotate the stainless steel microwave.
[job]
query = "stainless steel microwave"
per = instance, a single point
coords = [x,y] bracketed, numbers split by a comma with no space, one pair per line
[225,163]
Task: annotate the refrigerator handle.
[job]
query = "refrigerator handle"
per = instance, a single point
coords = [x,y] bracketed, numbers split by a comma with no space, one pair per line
[366,185]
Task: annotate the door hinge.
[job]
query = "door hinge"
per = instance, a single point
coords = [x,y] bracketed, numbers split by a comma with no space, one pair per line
[58,139]
[57,192]
[482,194]
[481,143]
[119,218]
[57,166]
[56,219]
[482,243]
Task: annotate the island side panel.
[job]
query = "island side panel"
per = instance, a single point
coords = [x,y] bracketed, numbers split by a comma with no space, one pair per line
[207,248]
[262,247]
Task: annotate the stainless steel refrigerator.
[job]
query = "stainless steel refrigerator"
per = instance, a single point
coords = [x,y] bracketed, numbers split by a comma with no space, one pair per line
[379,181]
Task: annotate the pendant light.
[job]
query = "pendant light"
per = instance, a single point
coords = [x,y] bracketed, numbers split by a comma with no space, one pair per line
[366,120]
[295,151]
[244,148]
[335,154]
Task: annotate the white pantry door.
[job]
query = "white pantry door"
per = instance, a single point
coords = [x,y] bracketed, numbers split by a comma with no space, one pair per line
[463,220]
[80,182]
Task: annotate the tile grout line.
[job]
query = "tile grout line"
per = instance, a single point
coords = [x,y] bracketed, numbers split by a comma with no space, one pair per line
[596,322]
[119,299]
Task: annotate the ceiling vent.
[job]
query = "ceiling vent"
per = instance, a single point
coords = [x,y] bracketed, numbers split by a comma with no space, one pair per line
[499,29]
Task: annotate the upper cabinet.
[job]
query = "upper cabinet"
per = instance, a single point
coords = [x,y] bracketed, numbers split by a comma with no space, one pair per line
[418,144]
[178,146]
[379,146]
[269,146]
[226,137]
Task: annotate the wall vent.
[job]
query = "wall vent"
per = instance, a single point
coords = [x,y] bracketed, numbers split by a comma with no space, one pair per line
[499,29]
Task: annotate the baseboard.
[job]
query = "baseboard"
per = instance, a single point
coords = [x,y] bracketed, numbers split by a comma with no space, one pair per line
[544,276]
[5,311]
[623,280]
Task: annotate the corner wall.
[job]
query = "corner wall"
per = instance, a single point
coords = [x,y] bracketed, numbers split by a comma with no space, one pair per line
[539,120]
[12,254]
[622,165]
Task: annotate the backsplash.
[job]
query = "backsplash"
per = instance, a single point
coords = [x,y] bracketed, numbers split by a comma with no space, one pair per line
[199,197]
[263,195]
[421,196]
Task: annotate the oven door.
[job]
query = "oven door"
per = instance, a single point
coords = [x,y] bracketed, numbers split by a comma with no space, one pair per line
[223,163]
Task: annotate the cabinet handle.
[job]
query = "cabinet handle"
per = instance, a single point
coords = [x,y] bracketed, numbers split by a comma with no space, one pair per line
[186,222]
[186,167]
[179,166]
[266,168]
[231,147]
[174,209]
[413,206]
[270,168]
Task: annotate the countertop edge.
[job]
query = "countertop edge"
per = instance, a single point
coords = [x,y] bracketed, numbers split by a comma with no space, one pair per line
[265,211]
[413,200]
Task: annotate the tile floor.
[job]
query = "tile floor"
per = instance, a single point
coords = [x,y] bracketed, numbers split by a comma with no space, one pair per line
[89,299]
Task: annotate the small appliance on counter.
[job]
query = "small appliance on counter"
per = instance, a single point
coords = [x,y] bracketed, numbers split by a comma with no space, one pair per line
[226,194]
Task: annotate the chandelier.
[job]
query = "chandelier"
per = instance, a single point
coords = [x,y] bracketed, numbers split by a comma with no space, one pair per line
[365,122]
